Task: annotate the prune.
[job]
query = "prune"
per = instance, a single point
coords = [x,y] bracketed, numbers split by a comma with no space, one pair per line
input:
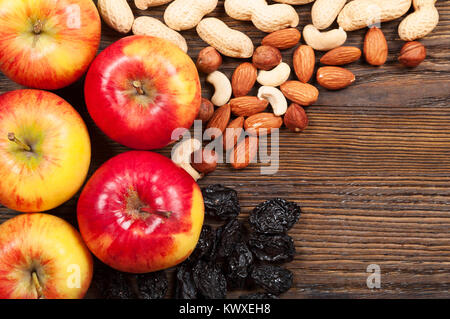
[206,244]
[238,266]
[185,287]
[275,216]
[209,280]
[274,279]
[258,295]
[221,202]
[152,285]
[229,235]
[272,248]
[112,284]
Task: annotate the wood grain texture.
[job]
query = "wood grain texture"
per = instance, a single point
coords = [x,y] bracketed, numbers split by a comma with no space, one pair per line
[371,172]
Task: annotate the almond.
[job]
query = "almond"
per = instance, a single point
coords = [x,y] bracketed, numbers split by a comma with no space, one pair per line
[244,153]
[266,57]
[304,61]
[334,78]
[282,39]
[232,133]
[219,121]
[341,56]
[204,161]
[247,105]
[301,93]
[206,111]
[244,79]
[265,121]
[295,118]
[375,47]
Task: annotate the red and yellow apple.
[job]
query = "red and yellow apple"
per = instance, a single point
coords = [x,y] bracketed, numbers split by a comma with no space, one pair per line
[47,44]
[45,150]
[140,89]
[42,256]
[140,213]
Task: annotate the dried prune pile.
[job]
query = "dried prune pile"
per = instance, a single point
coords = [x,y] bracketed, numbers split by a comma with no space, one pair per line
[113,284]
[221,202]
[231,257]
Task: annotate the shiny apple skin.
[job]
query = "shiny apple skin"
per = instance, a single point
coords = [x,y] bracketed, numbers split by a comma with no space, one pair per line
[49,246]
[60,54]
[113,229]
[59,163]
[172,91]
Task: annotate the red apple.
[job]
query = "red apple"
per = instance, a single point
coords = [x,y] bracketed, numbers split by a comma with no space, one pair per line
[45,150]
[47,44]
[140,212]
[42,256]
[141,88]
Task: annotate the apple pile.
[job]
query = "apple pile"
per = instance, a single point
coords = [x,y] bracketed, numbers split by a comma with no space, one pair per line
[139,212]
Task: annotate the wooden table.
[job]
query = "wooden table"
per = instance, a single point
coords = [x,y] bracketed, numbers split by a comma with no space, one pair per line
[371,172]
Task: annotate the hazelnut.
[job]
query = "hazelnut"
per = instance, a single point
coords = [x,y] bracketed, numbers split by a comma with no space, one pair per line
[206,111]
[295,118]
[412,54]
[266,57]
[209,60]
[204,161]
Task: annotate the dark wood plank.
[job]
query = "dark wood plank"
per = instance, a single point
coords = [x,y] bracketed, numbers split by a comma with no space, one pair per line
[372,171]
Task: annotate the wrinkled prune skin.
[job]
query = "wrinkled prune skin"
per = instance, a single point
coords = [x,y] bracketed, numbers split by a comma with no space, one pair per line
[275,216]
[273,279]
[258,295]
[238,266]
[112,284]
[184,285]
[272,248]
[210,280]
[206,244]
[221,202]
[229,235]
[153,285]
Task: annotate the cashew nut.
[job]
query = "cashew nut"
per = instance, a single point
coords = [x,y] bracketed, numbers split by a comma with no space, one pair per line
[419,23]
[150,26]
[242,9]
[276,76]
[145,4]
[186,14]
[181,155]
[275,98]
[324,41]
[222,88]
[324,12]
[362,13]
[229,42]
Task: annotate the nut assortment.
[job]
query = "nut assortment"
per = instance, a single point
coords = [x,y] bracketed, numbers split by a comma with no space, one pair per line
[267,68]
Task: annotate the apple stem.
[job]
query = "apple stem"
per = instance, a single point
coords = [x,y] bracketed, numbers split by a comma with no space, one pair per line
[37,285]
[37,27]
[138,86]
[12,137]
[160,213]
